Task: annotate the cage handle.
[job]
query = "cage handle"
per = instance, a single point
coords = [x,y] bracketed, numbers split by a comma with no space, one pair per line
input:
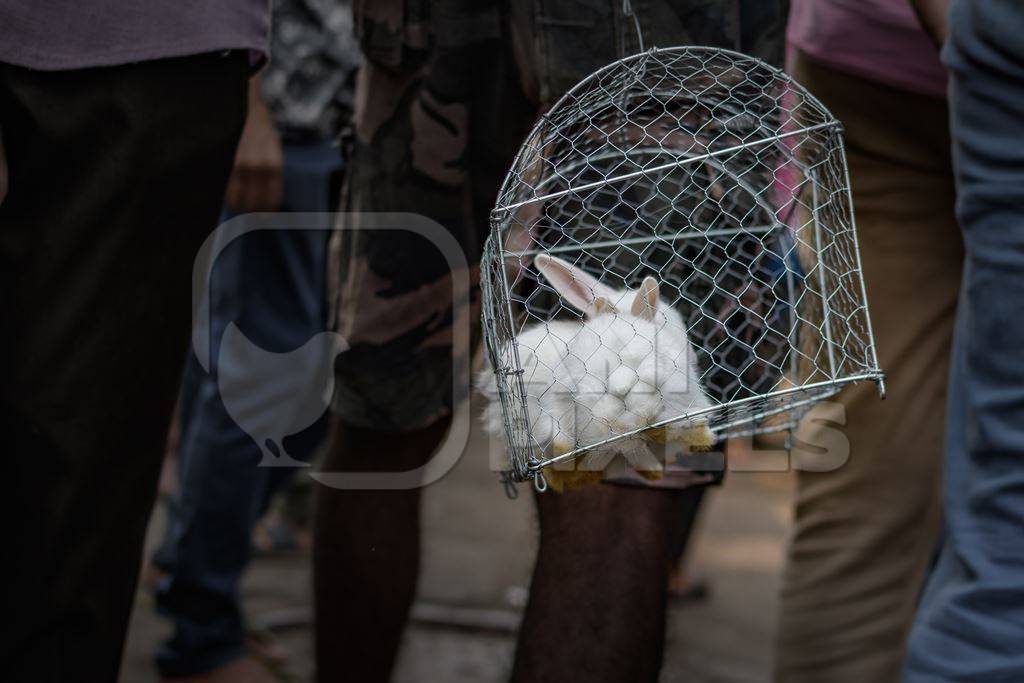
[627,10]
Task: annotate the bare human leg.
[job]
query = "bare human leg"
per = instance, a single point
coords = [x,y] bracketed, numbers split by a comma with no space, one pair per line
[597,600]
[366,553]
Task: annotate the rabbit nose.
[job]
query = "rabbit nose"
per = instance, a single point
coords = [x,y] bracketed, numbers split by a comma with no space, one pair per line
[622,381]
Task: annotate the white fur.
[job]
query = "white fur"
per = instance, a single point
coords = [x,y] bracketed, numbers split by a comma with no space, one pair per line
[610,373]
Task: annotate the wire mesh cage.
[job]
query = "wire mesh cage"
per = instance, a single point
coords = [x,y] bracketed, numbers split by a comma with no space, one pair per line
[672,256]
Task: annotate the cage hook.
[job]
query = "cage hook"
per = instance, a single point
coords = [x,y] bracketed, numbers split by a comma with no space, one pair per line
[509,485]
[540,483]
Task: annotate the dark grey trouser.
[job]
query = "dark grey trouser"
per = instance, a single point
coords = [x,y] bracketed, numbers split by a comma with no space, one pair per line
[271,285]
[116,178]
[970,626]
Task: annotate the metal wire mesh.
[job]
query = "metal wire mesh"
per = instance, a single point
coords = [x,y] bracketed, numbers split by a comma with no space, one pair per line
[724,181]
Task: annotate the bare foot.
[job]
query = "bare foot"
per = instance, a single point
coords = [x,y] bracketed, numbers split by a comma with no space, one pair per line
[244,670]
[686,587]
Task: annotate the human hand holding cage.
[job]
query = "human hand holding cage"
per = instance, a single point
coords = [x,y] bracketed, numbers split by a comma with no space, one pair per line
[673,254]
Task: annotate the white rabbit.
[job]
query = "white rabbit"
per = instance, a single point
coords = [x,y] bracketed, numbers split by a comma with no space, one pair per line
[626,365]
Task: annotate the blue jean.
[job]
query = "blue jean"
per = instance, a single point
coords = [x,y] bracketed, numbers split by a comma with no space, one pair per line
[271,284]
[970,624]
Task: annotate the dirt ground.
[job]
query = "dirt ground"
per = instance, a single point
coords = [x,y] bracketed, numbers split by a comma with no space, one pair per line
[479,549]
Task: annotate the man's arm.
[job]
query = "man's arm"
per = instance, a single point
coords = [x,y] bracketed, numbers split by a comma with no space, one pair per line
[256,182]
[934,17]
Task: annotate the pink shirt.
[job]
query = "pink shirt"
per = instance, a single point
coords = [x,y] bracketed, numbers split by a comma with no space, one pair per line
[880,40]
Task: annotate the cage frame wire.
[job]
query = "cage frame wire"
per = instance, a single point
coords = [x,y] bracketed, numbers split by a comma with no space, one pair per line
[526,458]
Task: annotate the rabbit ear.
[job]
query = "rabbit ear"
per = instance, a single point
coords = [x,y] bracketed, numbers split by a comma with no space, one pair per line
[576,286]
[646,302]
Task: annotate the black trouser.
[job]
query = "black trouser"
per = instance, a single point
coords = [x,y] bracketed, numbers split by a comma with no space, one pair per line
[116,178]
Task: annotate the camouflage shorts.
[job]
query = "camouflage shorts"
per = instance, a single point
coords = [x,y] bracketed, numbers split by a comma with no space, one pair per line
[447,93]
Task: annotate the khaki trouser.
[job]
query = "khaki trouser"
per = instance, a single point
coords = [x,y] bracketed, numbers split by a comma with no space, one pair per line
[865,532]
